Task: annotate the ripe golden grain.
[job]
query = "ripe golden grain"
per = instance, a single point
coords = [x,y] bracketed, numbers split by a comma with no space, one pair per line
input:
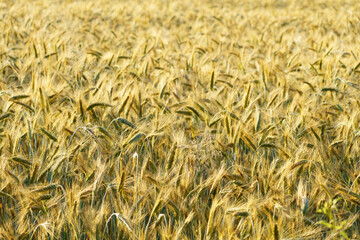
[244,117]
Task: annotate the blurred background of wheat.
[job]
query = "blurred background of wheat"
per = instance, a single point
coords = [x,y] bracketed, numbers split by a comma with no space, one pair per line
[179,120]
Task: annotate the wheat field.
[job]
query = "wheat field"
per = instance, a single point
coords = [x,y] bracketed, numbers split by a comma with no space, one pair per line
[179,119]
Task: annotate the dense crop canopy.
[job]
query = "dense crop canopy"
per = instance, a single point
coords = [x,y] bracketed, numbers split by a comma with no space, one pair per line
[179,119]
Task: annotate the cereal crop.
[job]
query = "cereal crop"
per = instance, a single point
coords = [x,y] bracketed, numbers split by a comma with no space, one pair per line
[179,119]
